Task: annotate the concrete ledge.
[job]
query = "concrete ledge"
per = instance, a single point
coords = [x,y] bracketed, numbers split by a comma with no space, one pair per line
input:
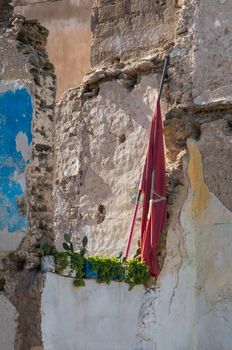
[94,317]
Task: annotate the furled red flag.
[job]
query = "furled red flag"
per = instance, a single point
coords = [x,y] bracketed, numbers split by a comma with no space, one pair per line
[153,187]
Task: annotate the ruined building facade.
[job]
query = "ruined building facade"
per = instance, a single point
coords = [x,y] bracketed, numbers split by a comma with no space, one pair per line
[75,167]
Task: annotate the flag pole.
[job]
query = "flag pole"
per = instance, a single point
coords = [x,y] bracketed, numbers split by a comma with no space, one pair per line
[164,75]
[133,222]
[140,191]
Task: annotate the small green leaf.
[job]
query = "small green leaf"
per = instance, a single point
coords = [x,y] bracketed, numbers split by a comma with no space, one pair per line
[85,241]
[66,246]
[67,237]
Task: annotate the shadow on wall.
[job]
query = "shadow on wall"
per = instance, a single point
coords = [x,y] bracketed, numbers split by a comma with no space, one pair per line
[68,22]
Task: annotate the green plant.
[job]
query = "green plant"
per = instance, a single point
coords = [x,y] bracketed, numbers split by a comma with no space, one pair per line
[107,269]
[137,272]
[75,261]
[77,264]
[72,259]
[45,249]
[62,260]
[68,245]
[84,245]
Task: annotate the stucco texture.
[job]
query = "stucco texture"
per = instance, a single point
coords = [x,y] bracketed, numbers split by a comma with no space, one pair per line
[95,317]
[98,177]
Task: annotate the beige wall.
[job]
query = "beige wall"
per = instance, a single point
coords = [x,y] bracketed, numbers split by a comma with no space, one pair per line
[69,38]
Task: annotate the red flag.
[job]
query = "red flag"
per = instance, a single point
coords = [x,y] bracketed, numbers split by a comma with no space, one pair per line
[153,187]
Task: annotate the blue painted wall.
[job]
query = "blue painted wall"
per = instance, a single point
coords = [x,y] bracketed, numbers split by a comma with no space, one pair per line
[15,117]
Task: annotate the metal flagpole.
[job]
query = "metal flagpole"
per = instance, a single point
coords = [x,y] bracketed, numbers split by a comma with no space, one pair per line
[163,75]
[140,190]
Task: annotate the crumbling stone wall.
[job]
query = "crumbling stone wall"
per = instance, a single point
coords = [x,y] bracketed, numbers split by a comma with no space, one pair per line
[98,177]
[5,13]
[100,139]
[25,68]
[131,28]
[100,150]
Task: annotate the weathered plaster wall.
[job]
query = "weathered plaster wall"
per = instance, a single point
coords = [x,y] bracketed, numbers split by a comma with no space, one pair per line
[213,52]
[131,28]
[96,317]
[15,140]
[69,40]
[101,132]
[27,94]
[100,150]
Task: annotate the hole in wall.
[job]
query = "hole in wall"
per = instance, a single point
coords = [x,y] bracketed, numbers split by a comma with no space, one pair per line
[229,124]
[196,131]
[2,284]
[101,213]
[20,264]
[121,138]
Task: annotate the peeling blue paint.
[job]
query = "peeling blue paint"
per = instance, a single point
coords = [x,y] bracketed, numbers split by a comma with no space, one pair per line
[15,139]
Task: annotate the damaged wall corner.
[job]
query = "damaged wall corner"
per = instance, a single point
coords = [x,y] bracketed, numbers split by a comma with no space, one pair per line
[27,93]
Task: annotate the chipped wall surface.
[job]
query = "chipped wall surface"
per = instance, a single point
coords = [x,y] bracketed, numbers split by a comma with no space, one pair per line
[69,38]
[98,177]
[130,28]
[100,151]
[15,139]
[100,136]
[27,96]
[194,291]
[27,92]
[212,52]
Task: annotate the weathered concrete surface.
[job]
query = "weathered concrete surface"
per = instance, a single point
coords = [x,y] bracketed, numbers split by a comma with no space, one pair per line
[101,128]
[8,324]
[100,153]
[69,37]
[213,52]
[5,12]
[25,67]
[100,150]
[27,90]
[95,317]
[15,154]
[130,28]
[195,288]
[14,77]
[215,146]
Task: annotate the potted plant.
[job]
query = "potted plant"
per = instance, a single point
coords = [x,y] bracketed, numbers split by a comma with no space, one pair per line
[137,272]
[46,252]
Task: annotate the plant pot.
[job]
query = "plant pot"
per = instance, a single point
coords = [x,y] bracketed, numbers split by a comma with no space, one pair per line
[89,273]
[48,263]
[119,278]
